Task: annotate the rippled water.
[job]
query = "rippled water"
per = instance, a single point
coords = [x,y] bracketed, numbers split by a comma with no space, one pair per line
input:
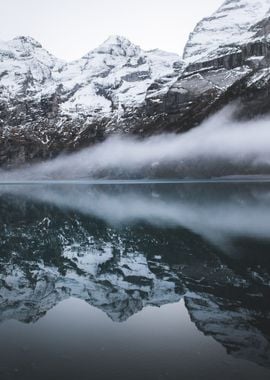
[128,281]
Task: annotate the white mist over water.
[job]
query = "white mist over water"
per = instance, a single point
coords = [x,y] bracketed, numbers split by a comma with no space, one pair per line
[217,139]
[219,213]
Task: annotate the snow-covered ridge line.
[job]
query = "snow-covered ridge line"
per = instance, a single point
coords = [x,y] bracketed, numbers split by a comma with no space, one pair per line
[117,72]
[231,24]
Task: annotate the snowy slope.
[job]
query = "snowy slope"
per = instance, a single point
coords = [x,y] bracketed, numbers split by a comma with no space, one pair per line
[110,78]
[113,77]
[229,25]
[25,68]
[47,104]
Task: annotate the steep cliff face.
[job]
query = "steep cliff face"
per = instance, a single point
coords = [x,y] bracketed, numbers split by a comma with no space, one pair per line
[48,106]
[230,26]
[227,58]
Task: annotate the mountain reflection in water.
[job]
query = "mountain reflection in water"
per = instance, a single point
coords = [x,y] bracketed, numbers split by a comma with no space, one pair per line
[122,248]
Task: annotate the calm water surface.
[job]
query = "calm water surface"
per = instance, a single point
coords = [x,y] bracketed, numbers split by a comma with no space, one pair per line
[126,281]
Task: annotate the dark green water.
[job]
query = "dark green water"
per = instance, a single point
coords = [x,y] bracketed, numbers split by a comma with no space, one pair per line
[128,281]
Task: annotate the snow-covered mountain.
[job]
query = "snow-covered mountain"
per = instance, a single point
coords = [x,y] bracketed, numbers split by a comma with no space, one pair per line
[46,102]
[112,77]
[26,69]
[227,58]
[48,106]
[230,26]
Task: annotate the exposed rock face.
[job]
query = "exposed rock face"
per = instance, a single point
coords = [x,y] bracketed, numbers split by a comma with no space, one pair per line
[230,26]
[227,58]
[48,106]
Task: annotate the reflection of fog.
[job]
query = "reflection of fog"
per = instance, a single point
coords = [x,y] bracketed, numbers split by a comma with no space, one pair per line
[218,212]
[124,247]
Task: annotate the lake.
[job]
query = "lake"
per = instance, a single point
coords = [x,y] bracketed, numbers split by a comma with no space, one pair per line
[135,280]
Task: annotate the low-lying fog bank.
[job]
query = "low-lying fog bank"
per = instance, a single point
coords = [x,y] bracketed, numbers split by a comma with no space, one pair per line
[218,147]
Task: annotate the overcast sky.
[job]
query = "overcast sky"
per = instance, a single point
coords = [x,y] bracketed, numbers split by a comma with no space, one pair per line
[70,28]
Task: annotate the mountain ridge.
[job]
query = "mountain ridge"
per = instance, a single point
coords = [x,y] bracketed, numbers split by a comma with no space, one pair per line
[49,106]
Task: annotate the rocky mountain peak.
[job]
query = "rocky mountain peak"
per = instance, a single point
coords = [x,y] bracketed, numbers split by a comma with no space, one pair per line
[26,41]
[118,46]
[230,25]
